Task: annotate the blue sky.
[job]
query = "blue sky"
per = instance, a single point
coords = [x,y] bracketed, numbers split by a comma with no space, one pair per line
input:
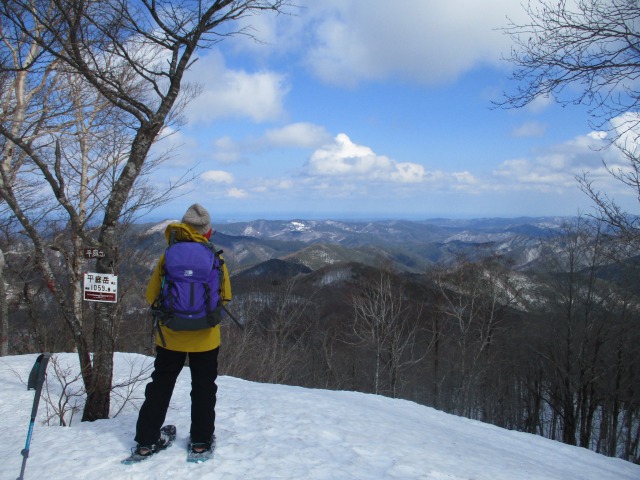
[350,109]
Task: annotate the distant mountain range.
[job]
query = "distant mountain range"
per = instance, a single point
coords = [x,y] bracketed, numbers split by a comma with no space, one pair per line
[409,246]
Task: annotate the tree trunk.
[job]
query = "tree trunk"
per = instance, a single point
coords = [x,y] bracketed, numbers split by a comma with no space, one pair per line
[99,387]
[4,312]
[99,392]
[436,366]
[569,426]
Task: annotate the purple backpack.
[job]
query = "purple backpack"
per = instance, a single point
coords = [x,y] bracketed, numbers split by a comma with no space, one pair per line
[190,294]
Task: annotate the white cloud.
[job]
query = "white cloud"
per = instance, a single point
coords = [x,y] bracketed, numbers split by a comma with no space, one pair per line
[217,176]
[540,103]
[428,42]
[300,134]
[234,93]
[345,158]
[627,131]
[408,173]
[265,186]
[285,184]
[530,129]
[558,166]
[170,144]
[226,150]
[296,135]
[237,193]
[597,135]
[465,178]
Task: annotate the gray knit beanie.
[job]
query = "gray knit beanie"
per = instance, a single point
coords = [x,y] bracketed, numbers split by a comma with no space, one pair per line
[198,217]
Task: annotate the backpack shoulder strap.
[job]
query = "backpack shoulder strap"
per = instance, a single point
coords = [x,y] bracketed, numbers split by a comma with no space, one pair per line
[215,252]
[172,237]
[210,246]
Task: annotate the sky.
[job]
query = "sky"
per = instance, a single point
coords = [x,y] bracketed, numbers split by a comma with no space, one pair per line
[350,109]
[270,432]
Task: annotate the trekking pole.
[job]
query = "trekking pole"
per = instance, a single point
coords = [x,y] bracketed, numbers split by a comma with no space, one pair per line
[36,380]
[235,320]
[156,324]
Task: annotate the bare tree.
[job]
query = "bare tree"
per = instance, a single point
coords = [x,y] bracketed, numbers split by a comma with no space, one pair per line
[474,298]
[131,56]
[272,346]
[586,52]
[580,315]
[62,142]
[625,224]
[386,323]
[593,45]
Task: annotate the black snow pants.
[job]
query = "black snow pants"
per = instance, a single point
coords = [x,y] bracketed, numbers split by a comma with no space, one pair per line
[167,366]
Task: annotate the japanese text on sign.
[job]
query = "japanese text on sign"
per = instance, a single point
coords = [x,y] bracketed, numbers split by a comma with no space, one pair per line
[100,287]
[93,253]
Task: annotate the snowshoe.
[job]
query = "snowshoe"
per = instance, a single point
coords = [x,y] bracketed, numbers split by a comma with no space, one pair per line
[201,452]
[142,452]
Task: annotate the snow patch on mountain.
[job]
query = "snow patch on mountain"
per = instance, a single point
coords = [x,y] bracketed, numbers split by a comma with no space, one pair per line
[160,227]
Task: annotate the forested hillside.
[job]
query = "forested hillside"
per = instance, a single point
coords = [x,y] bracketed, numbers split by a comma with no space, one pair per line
[549,346]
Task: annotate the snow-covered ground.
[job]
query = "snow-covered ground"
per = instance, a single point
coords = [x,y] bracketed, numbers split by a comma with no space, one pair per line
[280,432]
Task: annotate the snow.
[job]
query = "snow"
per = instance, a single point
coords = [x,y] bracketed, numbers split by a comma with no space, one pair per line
[299,226]
[281,432]
[251,232]
[161,227]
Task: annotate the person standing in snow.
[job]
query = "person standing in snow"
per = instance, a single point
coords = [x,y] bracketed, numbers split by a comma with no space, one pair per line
[173,347]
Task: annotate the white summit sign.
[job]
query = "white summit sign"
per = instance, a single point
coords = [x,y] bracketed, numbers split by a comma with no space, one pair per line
[101,287]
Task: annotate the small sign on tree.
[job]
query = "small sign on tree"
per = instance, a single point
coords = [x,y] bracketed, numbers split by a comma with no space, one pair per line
[101,287]
[93,253]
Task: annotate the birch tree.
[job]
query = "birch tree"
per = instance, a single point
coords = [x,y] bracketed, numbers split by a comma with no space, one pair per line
[129,59]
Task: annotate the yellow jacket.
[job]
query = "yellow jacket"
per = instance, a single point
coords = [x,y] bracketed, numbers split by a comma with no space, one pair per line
[195,340]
